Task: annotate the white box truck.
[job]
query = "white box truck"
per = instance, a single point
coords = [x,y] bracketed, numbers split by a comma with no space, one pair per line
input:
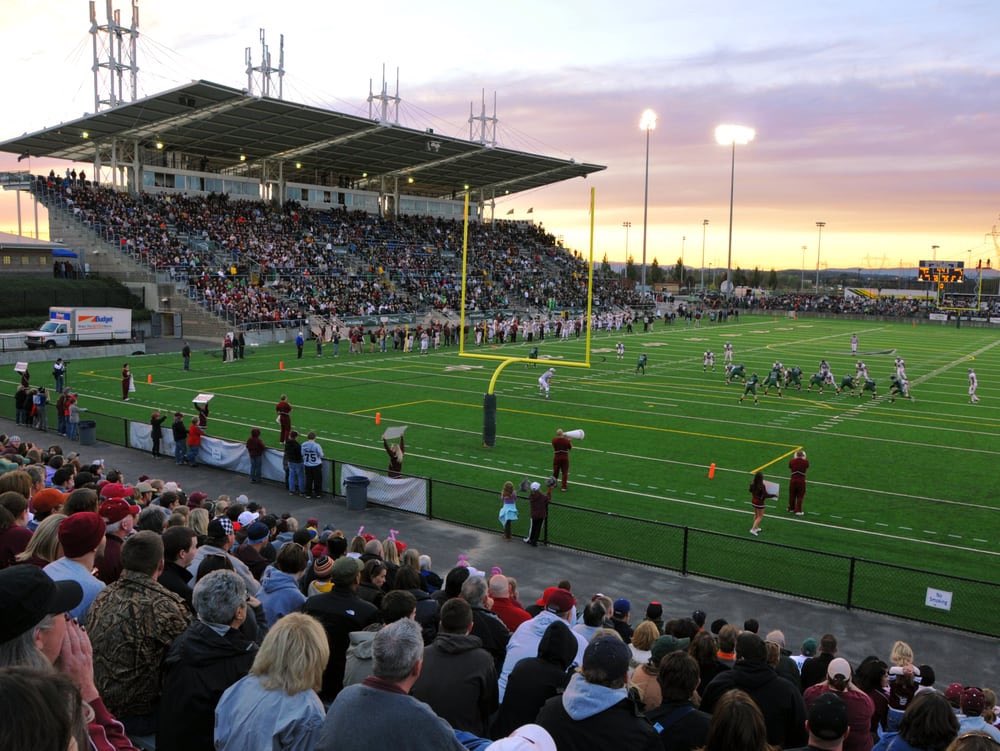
[67,326]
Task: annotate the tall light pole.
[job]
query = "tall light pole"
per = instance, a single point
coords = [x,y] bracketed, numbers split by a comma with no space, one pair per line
[647,123]
[731,135]
[819,245]
[704,230]
[683,243]
[802,281]
[627,226]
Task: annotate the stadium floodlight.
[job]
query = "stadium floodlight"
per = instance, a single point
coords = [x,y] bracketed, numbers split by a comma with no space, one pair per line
[732,135]
[819,245]
[647,123]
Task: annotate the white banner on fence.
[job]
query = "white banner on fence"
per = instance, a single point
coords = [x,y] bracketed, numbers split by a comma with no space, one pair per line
[938,598]
[407,493]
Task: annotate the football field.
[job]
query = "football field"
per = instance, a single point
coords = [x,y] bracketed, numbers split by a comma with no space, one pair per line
[910,482]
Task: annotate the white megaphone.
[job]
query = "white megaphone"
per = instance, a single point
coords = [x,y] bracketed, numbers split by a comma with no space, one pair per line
[576,435]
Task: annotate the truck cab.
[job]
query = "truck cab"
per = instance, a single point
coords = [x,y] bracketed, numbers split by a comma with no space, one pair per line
[49,335]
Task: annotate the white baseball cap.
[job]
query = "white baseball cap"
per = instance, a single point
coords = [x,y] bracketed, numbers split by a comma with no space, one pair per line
[536,486]
[526,738]
[247,518]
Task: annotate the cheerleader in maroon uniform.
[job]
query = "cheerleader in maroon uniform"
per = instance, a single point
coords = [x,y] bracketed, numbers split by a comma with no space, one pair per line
[284,410]
[797,482]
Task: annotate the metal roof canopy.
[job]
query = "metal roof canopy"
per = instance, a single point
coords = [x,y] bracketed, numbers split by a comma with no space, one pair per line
[220,124]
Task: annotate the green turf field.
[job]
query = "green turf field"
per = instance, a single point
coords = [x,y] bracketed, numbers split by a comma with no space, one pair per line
[912,483]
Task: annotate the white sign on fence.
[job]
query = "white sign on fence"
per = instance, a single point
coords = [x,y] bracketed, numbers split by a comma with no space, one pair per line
[938,598]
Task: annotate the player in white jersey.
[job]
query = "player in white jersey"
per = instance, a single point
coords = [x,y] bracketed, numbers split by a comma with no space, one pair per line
[861,371]
[901,370]
[824,369]
[620,350]
[854,344]
[543,382]
[708,360]
[727,349]
[973,385]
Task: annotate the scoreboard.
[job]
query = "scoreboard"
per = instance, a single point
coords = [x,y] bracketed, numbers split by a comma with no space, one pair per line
[941,272]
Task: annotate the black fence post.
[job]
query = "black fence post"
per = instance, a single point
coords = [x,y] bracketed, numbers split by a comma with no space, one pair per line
[430,497]
[684,553]
[850,585]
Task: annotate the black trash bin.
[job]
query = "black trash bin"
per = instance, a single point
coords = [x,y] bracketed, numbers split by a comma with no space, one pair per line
[88,432]
[357,492]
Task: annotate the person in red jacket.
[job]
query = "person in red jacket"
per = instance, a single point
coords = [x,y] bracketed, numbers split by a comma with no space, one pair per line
[561,446]
[194,442]
[284,410]
[797,483]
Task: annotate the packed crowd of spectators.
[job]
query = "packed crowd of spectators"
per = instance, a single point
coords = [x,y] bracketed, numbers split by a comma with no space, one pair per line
[138,613]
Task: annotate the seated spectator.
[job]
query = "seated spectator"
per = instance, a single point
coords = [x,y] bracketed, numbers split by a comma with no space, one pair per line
[132,623]
[486,625]
[814,669]
[654,614]
[119,519]
[432,582]
[678,722]
[642,641]
[371,588]
[860,707]
[593,619]
[276,705]
[43,547]
[786,665]
[395,605]
[780,702]
[408,580]
[205,660]
[458,680]
[704,649]
[727,644]
[403,721]
[737,725]
[620,616]
[320,582]
[14,532]
[872,677]
[49,713]
[807,650]
[180,545]
[645,678]
[827,723]
[82,538]
[596,710]
[928,724]
[503,607]
[279,589]
[220,540]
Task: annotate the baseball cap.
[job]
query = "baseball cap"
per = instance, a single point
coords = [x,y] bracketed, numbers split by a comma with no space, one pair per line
[654,610]
[973,702]
[666,644]
[608,654]
[828,717]
[81,533]
[217,528]
[114,510]
[536,486]
[622,606]
[28,594]
[839,668]
[345,570]
[247,518]
[529,737]
[954,693]
[560,601]
[144,487]
[809,647]
[48,500]
[257,532]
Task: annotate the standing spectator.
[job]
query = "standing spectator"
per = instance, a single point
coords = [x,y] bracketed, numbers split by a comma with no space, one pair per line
[299,344]
[180,545]
[61,413]
[539,512]
[508,508]
[679,723]
[194,436]
[276,705]
[257,536]
[186,356]
[132,624]
[561,446]
[404,722]
[779,701]
[860,707]
[119,519]
[82,538]
[40,401]
[127,385]
[814,669]
[512,614]
[458,680]
[179,432]
[396,453]
[341,611]
[596,710]
[284,410]
[797,482]
[256,450]
[156,421]
[296,469]
[279,587]
[59,374]
[241,344]
[72,418]
[312,462]
[205,660]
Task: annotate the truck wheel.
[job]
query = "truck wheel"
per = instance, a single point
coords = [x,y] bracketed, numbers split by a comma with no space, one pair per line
[50,345]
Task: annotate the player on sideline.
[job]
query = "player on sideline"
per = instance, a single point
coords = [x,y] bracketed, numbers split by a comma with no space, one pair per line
[620,350]
[869,385]
[973,385]
[532,355]
[543,382]
[750,387]
[735,371]
[773,380]
[708,359]
[854,345]
[793,377]
[641,365]
[727,350]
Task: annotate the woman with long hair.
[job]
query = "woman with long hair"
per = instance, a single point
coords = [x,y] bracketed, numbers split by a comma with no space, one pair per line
[737,725]
[43,547]
[872,677]
[508,508]
[276,705]
[758,495]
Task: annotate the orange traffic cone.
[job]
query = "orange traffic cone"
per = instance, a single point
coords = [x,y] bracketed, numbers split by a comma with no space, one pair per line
[149,378]
[378,418]
[281,364]
[711,471]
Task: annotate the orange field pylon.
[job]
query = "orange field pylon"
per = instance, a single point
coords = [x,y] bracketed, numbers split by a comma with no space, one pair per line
[711,471]
[281,364]
[149,378]
[378,418]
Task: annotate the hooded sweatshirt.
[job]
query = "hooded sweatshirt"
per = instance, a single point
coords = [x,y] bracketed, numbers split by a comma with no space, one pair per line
[279,594]
[524,643]
[459,682]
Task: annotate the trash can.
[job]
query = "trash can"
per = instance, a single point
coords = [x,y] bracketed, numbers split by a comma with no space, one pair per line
[357,493]
[88,432]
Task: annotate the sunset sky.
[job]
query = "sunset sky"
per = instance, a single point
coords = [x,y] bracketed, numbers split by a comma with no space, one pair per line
[880,118]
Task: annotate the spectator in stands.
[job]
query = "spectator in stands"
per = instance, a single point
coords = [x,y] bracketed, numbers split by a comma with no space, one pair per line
[596,710]
[642,641]
[524,642]
[403,721]
[654,614]
[257,536]
[620,616]
[645,677]
[82,538]
[679,723]
[486,625]
[43,548]
[45,711]
[808,650]
[219,542]
[205,660]
[428,611]
[372,586]
[860,707]
[504,608]
[827,723]
[928,724]
[872,677]
[737,725]
[340,611]
[594,618]
[395,605]
[180,545]
[132,624]
[780,702]
[971,721]
[814,669]
[37,633]
[536,679]
[727,644]
[119,520]
[276,705]
[14,532]
[786,665]
[458,680]
[279,588]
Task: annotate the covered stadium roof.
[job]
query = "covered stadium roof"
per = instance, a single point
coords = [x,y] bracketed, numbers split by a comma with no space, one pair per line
[219,124]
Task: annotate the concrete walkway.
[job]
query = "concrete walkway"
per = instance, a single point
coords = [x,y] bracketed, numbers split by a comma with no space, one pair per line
[955,656]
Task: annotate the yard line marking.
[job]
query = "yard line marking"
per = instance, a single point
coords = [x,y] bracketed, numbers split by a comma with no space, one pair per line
[908,529]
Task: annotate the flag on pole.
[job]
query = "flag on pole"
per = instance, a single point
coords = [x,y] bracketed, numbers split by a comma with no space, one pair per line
[510,212]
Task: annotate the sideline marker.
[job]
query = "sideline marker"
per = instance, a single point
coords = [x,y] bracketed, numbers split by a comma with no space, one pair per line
[711,471]
[378,418]
[149,378]
[281,364]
